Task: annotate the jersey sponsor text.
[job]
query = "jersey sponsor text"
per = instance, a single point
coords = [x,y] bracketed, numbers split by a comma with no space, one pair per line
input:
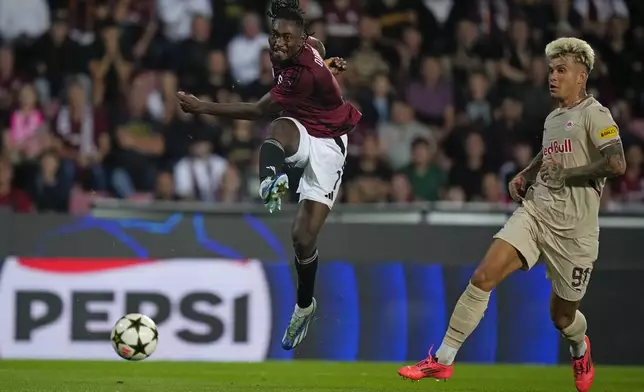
[558,148]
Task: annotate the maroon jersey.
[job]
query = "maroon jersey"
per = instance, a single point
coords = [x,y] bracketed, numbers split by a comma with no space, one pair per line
[308,91]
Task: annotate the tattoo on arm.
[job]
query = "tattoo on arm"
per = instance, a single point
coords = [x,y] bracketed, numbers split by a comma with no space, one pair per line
[612,164]
[530,172]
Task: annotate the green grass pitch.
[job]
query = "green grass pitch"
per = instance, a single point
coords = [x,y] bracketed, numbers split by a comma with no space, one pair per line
[305,376]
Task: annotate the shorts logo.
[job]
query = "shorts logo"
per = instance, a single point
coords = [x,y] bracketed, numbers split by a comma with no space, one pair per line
[569,125]
[558,148]
[608,133]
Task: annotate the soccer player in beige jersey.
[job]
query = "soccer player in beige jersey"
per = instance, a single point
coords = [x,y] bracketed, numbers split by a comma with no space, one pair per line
[559,193]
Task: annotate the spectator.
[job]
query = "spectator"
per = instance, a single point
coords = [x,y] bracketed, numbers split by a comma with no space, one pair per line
[81,139]
[177,16]
[376,102]
[596,12]
[244,51]
[468,174]
[86,17]
[249,181]
[138,146]
[469,52]
[509,129]
[312,10]
[491,189]
[14,198]
[411,53]
[437,20]
[165,187]
[110,67]
[631,185]
[515,65]
[432,98]
[455,194]
[618,58]
[27,135]
[427,179]
[56,57]
[561,17]
[23,19]
[218,76]
[49,190]
[492,16]
[342,19]
[180,133]
[401,191]
[368,175]
[521,158]
[369,57]
[397,135]
[10,83]
[393,15]
[200,176]
[477,106]
[139,22]
[238,142]
[256,90]
[190,60]
[535,95]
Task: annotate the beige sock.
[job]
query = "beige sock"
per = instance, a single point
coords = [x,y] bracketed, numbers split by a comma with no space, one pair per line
[575,334]
[467,314]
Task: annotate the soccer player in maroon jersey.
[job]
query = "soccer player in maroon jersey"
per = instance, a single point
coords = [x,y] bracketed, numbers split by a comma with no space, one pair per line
[310,133]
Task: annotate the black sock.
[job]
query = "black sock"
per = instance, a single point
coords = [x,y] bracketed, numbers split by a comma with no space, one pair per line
[271,158]
[306,270]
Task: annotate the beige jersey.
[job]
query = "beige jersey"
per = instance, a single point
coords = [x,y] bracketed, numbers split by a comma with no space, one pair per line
[573,136]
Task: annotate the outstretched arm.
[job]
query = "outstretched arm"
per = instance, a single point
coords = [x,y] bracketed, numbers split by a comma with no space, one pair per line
[265,107]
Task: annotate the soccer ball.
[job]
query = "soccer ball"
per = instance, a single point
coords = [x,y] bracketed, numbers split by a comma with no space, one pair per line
[134,337]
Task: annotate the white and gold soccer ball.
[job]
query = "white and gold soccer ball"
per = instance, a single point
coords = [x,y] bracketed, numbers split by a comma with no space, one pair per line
[134,337]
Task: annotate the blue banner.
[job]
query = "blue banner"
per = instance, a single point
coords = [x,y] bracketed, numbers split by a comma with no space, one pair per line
[396,311]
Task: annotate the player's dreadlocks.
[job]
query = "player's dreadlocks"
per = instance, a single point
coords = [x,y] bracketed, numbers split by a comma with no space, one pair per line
[288,10]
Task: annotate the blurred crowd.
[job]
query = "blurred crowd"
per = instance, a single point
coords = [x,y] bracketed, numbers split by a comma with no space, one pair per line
[453,95]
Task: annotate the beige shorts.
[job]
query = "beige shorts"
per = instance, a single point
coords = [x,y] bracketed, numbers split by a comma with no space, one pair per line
[569,261]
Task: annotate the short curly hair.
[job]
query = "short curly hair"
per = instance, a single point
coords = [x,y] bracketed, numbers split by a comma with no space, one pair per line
[287,9]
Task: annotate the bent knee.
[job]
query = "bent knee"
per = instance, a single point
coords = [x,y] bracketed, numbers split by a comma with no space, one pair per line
[284,131]
[303,241]
[501,260]
[484,279]
[562,320]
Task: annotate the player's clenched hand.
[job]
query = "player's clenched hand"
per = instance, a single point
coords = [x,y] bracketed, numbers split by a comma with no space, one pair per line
[517,187]
[188,102]
[552,170]
[337,65]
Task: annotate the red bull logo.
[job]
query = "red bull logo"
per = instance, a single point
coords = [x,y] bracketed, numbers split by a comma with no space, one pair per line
[558,148]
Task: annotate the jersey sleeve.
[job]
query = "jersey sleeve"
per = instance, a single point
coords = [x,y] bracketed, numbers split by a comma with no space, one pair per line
[601,127]
[293,86]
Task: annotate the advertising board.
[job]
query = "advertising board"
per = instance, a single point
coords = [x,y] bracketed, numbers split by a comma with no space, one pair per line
[216,310]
